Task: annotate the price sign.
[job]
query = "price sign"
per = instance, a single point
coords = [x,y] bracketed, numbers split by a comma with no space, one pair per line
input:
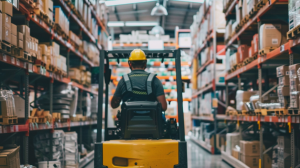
[282,48]
[4,58]
[13,60]
[17,62]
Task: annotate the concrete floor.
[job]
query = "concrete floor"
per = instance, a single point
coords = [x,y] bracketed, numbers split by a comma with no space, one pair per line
[197,158]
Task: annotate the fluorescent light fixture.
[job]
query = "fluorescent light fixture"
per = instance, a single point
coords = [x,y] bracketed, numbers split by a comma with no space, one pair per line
[140,23]
[191,1]
[125,2]
[159,10]
[115,24]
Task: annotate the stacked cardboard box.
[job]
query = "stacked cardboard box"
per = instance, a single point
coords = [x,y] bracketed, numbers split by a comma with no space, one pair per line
[34,47]
[73,37]
[25,31]
[284,151]
[283,89]
[294,86]
[61,19]
[71,150]
[10,158]
[250,153]
[7,13]
[48,8]
[242,54]
[254,45]
[80,75]
[242,97]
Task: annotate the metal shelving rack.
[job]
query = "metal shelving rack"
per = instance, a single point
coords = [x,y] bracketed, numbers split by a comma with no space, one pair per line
[211,38]
[256,69]
[31,74]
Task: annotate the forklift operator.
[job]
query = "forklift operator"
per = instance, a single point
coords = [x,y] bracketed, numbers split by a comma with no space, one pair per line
[139,85]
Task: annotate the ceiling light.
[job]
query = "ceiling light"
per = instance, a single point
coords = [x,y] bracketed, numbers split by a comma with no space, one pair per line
[140,23]
[159,10]
[125,2]
[115,24]
[191,1]
[157,30]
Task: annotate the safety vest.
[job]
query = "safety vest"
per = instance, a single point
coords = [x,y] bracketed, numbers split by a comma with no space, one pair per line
[134,94]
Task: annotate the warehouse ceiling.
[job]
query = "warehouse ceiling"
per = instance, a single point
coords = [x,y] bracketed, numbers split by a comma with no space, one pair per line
[179,14]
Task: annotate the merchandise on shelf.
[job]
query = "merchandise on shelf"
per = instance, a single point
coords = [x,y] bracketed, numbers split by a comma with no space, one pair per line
[7,101]
[86,105]
[271,36]
[75,39]
[43,148]
[232,139]
[80,75]
[243,97]
[61,20]
[283,152]
[71,150]
[25,30]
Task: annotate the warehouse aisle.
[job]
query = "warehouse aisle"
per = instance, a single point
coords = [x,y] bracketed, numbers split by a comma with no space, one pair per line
[198,158]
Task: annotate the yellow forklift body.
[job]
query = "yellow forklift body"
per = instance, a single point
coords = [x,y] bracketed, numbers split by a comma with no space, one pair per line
[161,153]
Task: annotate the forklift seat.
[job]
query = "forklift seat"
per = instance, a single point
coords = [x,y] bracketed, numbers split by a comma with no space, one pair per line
[141,119]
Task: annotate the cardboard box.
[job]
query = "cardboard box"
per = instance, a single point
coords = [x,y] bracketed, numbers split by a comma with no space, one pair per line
[250,148]
[235,153]
[9,158]
[284,101]
[7,8]
[6,34]
[251,161]
[13,29]
[239,15]
[75,74]
[20,36]
[293,70]
[243,51]
[24,29]
[14,40]
[283,90]
[26,45]
[272,35]
[294,83]
[6,21]
[284,80]
[20,43]
[294,100]
[232,139]
[282,70]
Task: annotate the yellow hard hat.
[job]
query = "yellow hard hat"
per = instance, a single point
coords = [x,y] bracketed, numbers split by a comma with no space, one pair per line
[137,55]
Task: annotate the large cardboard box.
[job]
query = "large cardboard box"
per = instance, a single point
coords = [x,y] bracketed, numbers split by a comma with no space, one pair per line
[242,53]
[7,8]
[13,29]
[283,90]
[10,158]
[293,70]
[235,153]
[14,41]
[284,80]
[272,35]
[6,21]
[251,161]
[6,34]
[282,70]
[250,148]
[232,139]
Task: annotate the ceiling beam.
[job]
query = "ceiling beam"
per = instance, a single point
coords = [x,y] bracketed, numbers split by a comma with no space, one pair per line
[117,16]
[183,10]
[185,16]
[131,12]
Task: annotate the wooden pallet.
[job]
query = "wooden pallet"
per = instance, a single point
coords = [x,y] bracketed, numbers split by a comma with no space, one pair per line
[253,11]
[6,47]
[24,56]
[264,112]
[244,113]
[280,111]
[293,33]
[261,4]
[50,67]
[247,61]
[254,56]
[60,32]
[293,111]
[39,62]
[78,117]
[33,119]
[265,51]
[8,120]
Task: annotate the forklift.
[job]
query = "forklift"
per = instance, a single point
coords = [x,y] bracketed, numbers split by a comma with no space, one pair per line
[140,140]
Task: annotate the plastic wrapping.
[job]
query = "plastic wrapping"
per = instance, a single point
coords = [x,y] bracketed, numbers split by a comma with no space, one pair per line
[7,99]
[73,105]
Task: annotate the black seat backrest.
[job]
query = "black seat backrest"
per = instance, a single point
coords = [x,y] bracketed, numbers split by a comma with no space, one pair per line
[141,119]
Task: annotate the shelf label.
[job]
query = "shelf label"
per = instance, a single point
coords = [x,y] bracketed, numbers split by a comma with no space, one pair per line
[12,128]
[282,48]
[17,62]
[13,60]
[4,58]
[4,129]
[17,128]
[29,67]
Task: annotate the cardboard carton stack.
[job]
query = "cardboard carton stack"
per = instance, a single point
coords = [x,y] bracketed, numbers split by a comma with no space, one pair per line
[293,10]
[10,158]
[80,75]
[284,152]
[24,38]
[242,97]
[7,13]
[33,48]
[48,9]
[283,90]
[242,54]
[294,86]
[75,39]
[71,150]
[250,153]
[61,20]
